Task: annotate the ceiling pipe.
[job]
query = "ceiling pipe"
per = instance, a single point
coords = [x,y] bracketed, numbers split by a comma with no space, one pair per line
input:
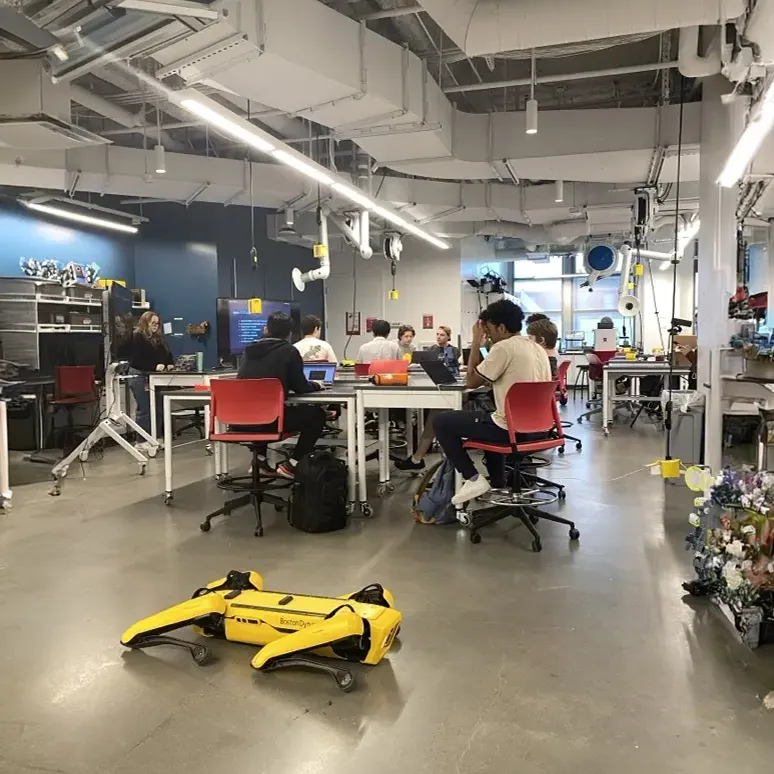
[391,13]
[611,72]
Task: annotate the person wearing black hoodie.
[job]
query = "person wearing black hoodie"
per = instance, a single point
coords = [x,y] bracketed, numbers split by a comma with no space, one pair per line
[274,357]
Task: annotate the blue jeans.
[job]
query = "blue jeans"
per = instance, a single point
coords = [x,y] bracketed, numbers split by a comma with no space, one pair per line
[138,384]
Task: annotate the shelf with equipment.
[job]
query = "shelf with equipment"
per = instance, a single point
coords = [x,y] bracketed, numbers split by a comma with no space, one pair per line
[31,310]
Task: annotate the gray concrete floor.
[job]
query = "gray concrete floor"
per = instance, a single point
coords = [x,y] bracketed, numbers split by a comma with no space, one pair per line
[580,659]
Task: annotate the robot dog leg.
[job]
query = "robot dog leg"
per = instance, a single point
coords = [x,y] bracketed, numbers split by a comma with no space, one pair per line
[206,612]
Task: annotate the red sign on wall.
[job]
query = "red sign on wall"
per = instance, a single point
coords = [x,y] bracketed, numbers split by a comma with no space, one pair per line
[370,324]
[427,321]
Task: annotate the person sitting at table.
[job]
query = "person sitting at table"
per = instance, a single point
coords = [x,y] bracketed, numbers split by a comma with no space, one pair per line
[512,358]
[544,332]
[147,352]
[380,348]
[274,357]
[312,347]
[448,354]
[406,334]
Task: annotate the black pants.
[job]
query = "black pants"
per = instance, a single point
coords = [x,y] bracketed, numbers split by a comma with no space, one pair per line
[306,419]
[452,428]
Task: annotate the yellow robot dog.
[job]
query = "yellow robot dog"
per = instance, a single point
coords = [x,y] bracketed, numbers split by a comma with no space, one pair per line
[288,627]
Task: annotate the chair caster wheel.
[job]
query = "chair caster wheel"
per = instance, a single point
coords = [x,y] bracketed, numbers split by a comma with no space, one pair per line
[562,401]
[279,508]
[537,546]
[366,510]
[579,446]
[258,532]
[208,449]
[83,456]
[463,517]
[205,526]
[588,405]
[606,432]
[580,420]
[152,451]
[201,655]
[574,534]
[562,494]
[167,498]
[475,538]
[382,490]
[561,450]
[534,519]
[141,466]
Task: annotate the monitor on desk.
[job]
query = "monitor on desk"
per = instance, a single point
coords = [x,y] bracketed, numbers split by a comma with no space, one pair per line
[238,327]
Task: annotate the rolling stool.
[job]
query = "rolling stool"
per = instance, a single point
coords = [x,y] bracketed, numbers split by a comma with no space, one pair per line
[581,380]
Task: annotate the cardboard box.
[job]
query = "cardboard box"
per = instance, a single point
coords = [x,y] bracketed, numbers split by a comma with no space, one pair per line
[689,345]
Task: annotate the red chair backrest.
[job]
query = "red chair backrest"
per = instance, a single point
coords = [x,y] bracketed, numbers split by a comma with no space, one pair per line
[530,407]
[361,369]
[597,362]
[75,382]
[561,373]
[387,367]
[247,402]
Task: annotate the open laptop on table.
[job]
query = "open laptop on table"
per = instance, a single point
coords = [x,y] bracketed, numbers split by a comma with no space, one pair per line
[439,373]
[321,372]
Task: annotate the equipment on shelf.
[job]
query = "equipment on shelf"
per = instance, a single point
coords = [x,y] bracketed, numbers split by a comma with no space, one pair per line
[290,628]
[109,427]
[574,341]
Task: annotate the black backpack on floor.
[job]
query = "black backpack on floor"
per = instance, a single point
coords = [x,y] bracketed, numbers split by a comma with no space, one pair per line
[319,497]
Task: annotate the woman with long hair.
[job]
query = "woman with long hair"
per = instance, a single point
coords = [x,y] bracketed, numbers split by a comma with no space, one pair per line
[148,353]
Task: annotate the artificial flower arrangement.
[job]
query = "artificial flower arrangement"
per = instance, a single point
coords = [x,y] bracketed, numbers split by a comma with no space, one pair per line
[733,542]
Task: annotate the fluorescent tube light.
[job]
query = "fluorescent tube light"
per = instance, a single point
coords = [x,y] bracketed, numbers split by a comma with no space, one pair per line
[532,116]
[307,169]
[170,8]
[60,52]
[354,195]
[58,212]
[559,191]
[753,136]
[228,126]
[161,164]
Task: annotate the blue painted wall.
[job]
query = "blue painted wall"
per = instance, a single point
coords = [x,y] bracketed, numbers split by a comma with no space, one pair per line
[185,257]
[25,235]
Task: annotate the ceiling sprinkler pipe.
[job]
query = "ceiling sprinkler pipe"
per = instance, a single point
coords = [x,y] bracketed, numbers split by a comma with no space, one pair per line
[324,271]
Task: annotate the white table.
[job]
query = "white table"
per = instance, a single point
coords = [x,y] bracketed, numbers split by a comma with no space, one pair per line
[343,394]
[636,370]
[420,393]
[160,379]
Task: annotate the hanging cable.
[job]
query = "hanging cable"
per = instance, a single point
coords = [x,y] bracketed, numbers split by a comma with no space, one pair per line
[675,259]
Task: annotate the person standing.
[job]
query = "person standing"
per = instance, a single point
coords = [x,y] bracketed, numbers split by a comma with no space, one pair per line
[380,348]
[312,347]
[147,352]
[406,335]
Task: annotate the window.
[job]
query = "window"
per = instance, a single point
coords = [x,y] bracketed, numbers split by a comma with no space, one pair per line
[589,306]
[543,296]
[542,269]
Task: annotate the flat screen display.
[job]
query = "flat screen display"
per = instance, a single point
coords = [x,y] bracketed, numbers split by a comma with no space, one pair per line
[237,327]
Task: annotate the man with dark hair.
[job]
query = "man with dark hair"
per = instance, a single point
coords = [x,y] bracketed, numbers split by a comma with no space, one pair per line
[512,358]
[312,347]
[274,357]
[380,348]
[406,334]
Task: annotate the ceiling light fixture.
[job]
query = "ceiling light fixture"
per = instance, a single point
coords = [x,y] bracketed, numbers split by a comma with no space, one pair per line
[236,127]
[559,191]
[59,212]
[170,8]
[60,52]
[240,129]
[302,166]
[532,104]
[752,137]
[161,164]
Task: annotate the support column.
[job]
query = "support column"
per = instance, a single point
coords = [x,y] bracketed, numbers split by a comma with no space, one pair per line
[721,125]
[770,285]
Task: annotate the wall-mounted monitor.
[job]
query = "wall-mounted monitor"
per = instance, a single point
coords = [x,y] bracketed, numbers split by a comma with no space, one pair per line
[238,327]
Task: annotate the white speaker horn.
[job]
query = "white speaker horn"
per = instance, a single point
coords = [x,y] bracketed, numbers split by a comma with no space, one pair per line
[298,279]
[628,306]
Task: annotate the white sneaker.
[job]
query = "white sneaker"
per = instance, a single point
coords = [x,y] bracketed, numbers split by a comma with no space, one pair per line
[470,490]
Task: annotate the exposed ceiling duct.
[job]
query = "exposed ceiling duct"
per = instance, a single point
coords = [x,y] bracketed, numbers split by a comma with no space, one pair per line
[381,96]
[482,27]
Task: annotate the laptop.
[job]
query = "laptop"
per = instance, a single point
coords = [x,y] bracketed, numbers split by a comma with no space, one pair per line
[424,356]
[439,373]
[320,372]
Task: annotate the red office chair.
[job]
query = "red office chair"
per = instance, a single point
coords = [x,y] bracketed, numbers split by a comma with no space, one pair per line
[74,386]
[247,403]
[530,407]
[388,367]
[597,363]
[561,396]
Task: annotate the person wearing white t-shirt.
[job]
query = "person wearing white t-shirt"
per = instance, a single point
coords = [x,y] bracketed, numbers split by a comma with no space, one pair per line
[312,347]
[512,358]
